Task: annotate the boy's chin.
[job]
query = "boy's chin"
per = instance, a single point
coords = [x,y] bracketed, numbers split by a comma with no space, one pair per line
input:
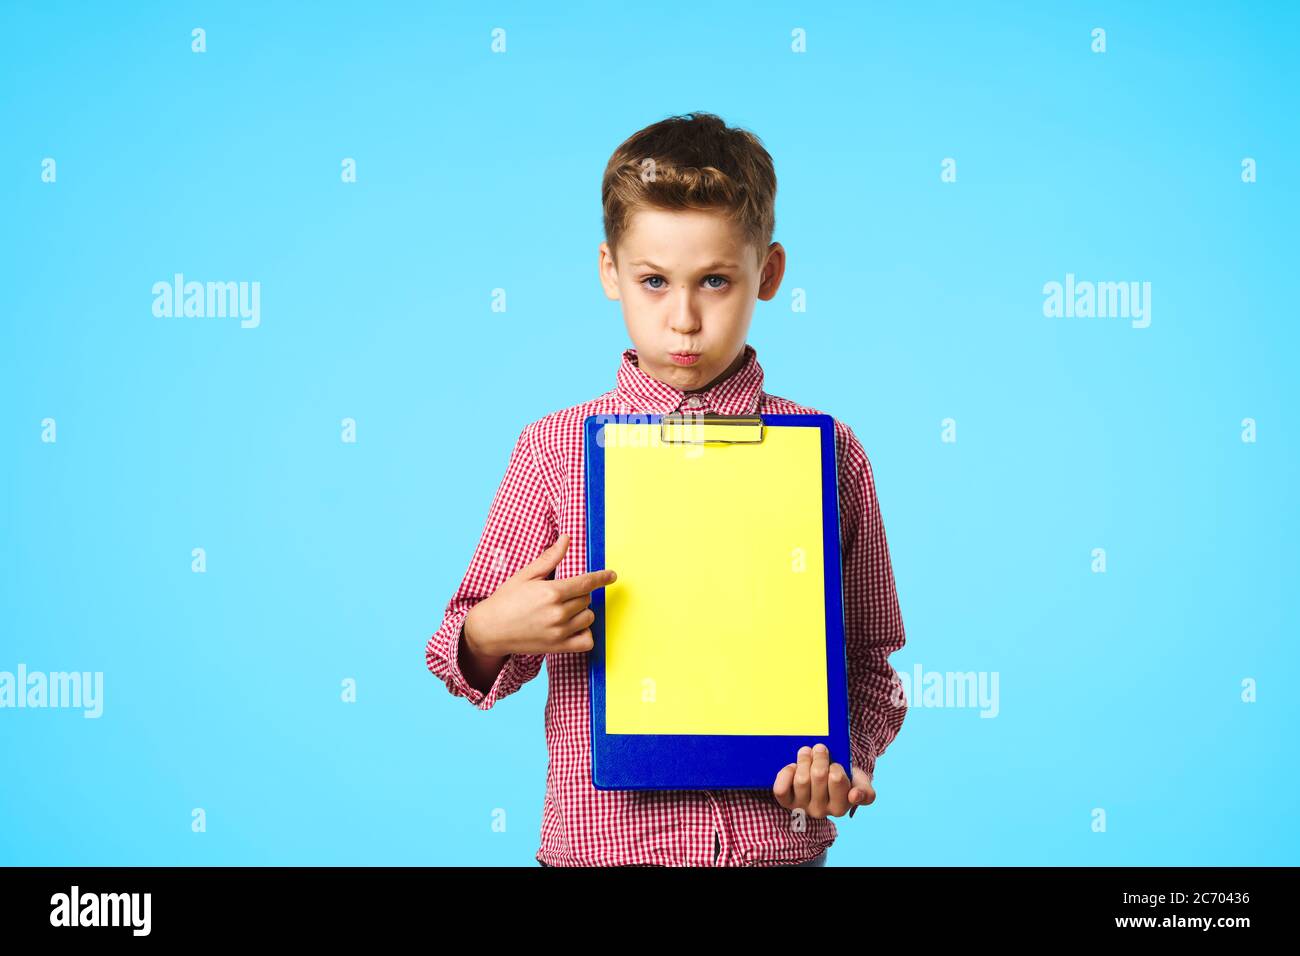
[683,377]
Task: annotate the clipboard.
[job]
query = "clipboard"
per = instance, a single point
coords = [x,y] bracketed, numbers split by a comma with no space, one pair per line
[719,650]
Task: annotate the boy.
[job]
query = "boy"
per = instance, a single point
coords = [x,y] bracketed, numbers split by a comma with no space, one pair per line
[689,216]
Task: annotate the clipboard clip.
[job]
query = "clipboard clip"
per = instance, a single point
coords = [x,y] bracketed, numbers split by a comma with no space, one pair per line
[710,428]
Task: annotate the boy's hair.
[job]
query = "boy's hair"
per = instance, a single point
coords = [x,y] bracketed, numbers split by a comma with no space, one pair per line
[693,161]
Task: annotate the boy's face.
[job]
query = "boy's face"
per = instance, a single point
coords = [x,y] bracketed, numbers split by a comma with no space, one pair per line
[688,281]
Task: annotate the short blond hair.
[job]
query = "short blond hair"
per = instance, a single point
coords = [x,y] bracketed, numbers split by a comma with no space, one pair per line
[692,161]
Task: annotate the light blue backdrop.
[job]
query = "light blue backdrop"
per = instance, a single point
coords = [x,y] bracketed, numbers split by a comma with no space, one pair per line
[1120,691]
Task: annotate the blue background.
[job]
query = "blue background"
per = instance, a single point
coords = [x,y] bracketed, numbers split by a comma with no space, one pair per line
[478,171]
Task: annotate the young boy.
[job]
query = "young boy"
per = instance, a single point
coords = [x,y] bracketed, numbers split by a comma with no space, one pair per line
[689,216]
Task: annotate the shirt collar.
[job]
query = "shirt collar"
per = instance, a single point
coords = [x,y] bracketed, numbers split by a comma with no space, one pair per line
[737,394]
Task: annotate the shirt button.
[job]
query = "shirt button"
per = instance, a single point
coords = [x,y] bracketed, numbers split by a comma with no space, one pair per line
[693,402]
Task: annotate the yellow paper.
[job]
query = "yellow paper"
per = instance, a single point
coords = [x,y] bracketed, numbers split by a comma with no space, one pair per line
[717,622]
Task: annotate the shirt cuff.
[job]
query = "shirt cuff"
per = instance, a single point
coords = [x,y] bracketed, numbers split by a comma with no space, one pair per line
[449,640]
[862,750]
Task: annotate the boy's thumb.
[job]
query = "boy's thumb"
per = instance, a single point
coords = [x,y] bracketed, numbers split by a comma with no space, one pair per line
[549,560]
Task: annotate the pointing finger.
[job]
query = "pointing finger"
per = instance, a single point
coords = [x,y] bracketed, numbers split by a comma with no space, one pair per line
[581,584]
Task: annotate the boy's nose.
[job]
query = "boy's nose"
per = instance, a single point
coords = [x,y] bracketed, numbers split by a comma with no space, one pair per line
[684,319]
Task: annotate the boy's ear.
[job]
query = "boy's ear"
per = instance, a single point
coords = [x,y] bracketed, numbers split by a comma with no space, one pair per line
[771,272]
[607,270]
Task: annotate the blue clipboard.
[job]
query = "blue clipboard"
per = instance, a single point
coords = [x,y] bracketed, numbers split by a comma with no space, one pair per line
[737,759]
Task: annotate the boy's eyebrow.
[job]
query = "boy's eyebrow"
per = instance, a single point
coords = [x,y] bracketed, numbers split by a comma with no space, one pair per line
[711,265]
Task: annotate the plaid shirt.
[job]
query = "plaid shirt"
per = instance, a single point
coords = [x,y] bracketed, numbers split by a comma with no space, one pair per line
[542,497]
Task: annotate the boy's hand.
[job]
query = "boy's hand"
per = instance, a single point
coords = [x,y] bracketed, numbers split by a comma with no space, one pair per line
[819,787]
[529,614]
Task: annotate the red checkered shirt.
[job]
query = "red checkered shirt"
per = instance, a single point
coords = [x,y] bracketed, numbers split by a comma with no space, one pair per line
[541,497]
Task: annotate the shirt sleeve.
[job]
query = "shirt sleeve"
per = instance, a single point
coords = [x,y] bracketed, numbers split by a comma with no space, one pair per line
[520,525]
[873,624]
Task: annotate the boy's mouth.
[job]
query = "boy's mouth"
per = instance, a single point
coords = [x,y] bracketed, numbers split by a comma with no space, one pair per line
[684,358]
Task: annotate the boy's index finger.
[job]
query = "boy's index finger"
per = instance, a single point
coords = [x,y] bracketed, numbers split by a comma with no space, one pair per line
[581,584]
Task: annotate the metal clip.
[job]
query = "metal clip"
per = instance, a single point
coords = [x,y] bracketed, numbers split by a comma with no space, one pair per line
[744,429]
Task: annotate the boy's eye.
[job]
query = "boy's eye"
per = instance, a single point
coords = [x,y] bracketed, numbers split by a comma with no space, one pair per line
[723,280]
